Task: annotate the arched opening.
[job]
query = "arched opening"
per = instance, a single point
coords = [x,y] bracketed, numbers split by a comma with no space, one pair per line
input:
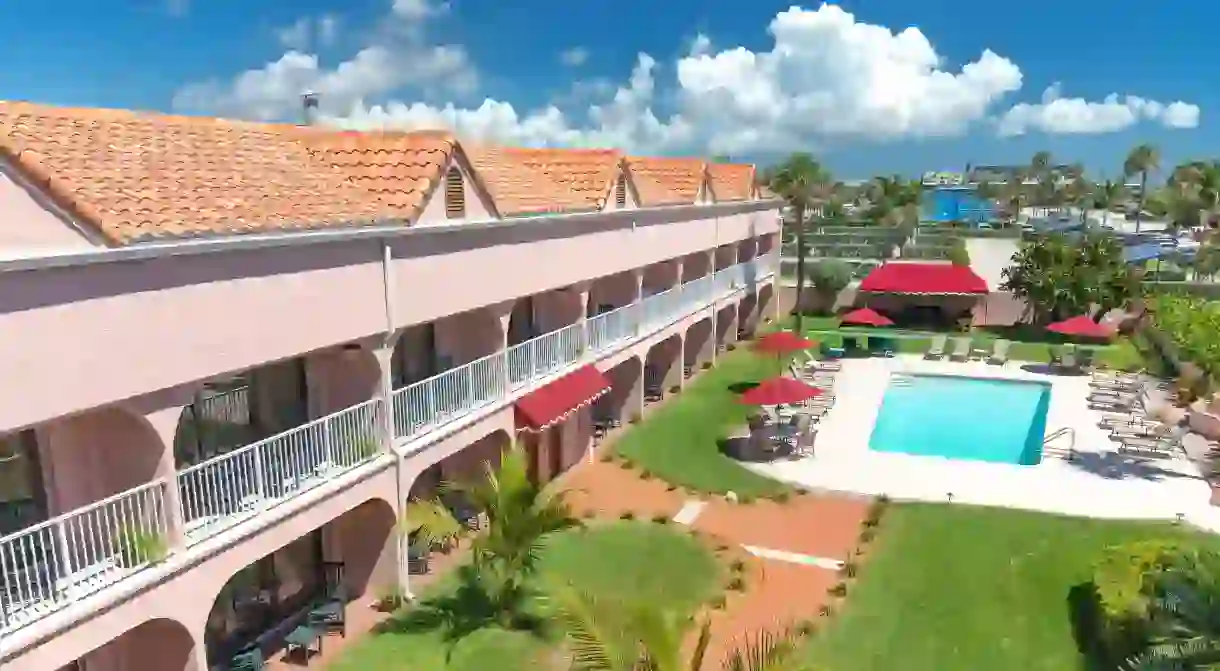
[662,371]
[698,347]
[455,194]
[747,316]
[660,277]
[726,326]
[324,577]
[155,645]
[766,302]
[695,266]
[625,400]
[746,249]
[726,255]
[465,465]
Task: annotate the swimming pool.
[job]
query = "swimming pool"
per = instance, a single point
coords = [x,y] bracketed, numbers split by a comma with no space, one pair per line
[963,418]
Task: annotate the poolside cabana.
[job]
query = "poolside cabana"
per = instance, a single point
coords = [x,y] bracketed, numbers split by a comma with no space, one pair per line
[922,293]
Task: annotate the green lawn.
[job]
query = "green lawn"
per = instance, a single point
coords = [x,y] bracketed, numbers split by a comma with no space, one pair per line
[681,441]
[448,631]
[960,588]
[1028,343]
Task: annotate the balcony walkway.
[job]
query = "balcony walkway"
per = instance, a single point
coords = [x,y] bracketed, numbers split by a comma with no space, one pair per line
[62,560]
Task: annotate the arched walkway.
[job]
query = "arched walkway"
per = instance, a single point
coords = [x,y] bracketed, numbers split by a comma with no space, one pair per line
[155,645]
[698,346]
[349,560]
[695,265]
[766,302]
[96,454]
[726,325]
[747,315]
[466,465]
[660,277]
[726,255]
[662,369]
[625,400]
[612,292]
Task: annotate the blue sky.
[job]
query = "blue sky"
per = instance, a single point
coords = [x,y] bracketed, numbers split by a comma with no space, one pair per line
[186,55]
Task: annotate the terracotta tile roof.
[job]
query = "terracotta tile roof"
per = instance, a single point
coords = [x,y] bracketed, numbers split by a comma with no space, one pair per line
[588,173]
[519,186]
[397,170]
[136,176]
[677,180]
[732,181]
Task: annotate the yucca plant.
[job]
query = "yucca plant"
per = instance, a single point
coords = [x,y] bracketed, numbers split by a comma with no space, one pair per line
[1184,618]
[612,634]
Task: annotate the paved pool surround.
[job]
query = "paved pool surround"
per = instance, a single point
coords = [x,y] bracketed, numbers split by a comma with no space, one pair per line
[1097,482]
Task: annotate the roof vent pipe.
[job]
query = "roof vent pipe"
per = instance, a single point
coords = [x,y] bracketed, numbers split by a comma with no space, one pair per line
[309,107]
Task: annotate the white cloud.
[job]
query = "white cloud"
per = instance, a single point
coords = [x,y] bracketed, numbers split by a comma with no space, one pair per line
[826,75]
[397,56]
[1056,114]
[305,31]
[574,57]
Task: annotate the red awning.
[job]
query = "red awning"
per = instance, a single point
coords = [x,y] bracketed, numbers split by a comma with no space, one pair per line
[558,399]
[923,278]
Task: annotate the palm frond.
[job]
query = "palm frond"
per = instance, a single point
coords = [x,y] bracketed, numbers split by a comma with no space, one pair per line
[766,650]
[431,520]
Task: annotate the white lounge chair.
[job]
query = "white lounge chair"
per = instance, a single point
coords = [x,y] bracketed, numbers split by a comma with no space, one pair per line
[1130,385]
[961,349]
[1140,430]
[1160,447]
[999,355]
[1110,420]
[1115,404]
[937,350]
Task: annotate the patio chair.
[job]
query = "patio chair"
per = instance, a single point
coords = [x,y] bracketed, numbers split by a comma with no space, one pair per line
[419,558]
[1158,447]
[1068,363]
[961,349]
[1085,357]
[1100,375]
[1114,404]
[250,659]
[999,355]
[1111,420]
[937,350]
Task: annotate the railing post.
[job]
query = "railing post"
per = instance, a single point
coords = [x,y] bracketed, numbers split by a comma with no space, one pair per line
[387,425]
[174,512]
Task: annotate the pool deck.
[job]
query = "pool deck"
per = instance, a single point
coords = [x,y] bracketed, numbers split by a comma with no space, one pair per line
[1096,482]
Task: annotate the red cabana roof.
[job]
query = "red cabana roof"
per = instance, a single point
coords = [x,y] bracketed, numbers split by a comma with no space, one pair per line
[557,400]
[923,278]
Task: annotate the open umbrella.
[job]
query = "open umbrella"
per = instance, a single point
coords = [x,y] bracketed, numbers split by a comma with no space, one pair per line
[782,342]
[1082,327]
[779,391]
[865,317]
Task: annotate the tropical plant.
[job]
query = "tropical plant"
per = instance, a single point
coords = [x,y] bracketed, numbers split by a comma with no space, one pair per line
[806,185]
[1184,617]
[1142,160]
[136,546]
[623,635]
[521,516]
[1107,196]
[828,277]
[1207,260]
[1060,277]
[1191,323]
[958,254]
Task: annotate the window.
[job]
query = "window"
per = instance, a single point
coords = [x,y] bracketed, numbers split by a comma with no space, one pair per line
[620,193]
[455,195]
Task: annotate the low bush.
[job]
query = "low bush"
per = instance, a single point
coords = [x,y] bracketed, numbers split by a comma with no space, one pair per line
[1122,589]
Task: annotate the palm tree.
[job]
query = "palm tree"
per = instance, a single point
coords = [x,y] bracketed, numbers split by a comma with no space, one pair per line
[805,184]
[1107,196]
[620,635]
[1184,618]
[1142,160]
[521,516]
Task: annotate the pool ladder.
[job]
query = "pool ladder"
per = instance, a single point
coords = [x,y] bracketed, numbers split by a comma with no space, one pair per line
[901,380]
[1068,454]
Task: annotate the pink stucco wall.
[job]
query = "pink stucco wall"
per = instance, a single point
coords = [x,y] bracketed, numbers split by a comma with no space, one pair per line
[27,226]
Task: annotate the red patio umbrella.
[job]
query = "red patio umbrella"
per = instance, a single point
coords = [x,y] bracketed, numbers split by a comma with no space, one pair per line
[782,342]
[1081,326]
[779,391]
[865,317]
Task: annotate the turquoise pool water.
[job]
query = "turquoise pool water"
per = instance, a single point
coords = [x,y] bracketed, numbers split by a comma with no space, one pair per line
[963,418]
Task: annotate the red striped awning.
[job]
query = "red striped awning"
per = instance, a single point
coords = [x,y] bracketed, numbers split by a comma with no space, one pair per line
[923,278]
[559,399]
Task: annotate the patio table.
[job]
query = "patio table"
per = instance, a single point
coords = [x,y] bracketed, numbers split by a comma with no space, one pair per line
[304,638]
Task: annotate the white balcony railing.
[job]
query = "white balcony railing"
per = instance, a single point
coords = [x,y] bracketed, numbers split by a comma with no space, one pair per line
[51,564]
[223,491]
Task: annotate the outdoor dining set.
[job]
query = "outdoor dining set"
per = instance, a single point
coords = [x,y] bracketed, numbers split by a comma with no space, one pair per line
[790,406]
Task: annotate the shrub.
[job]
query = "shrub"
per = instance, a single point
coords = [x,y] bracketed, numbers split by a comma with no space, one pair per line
[626,463]
[607,457]
[738,566]
[807,628]
[675,389]
[635,419]
[866,536]
[838,590]
[626,515]
[718,602]
[730,347]
[849,569]
[661,518]
[737,585]
[645,474]
[781,497]
[1121,586]
[706,365]
[826,610]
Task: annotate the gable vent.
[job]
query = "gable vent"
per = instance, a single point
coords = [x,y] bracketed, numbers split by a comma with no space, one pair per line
[455,195]
[620,193]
